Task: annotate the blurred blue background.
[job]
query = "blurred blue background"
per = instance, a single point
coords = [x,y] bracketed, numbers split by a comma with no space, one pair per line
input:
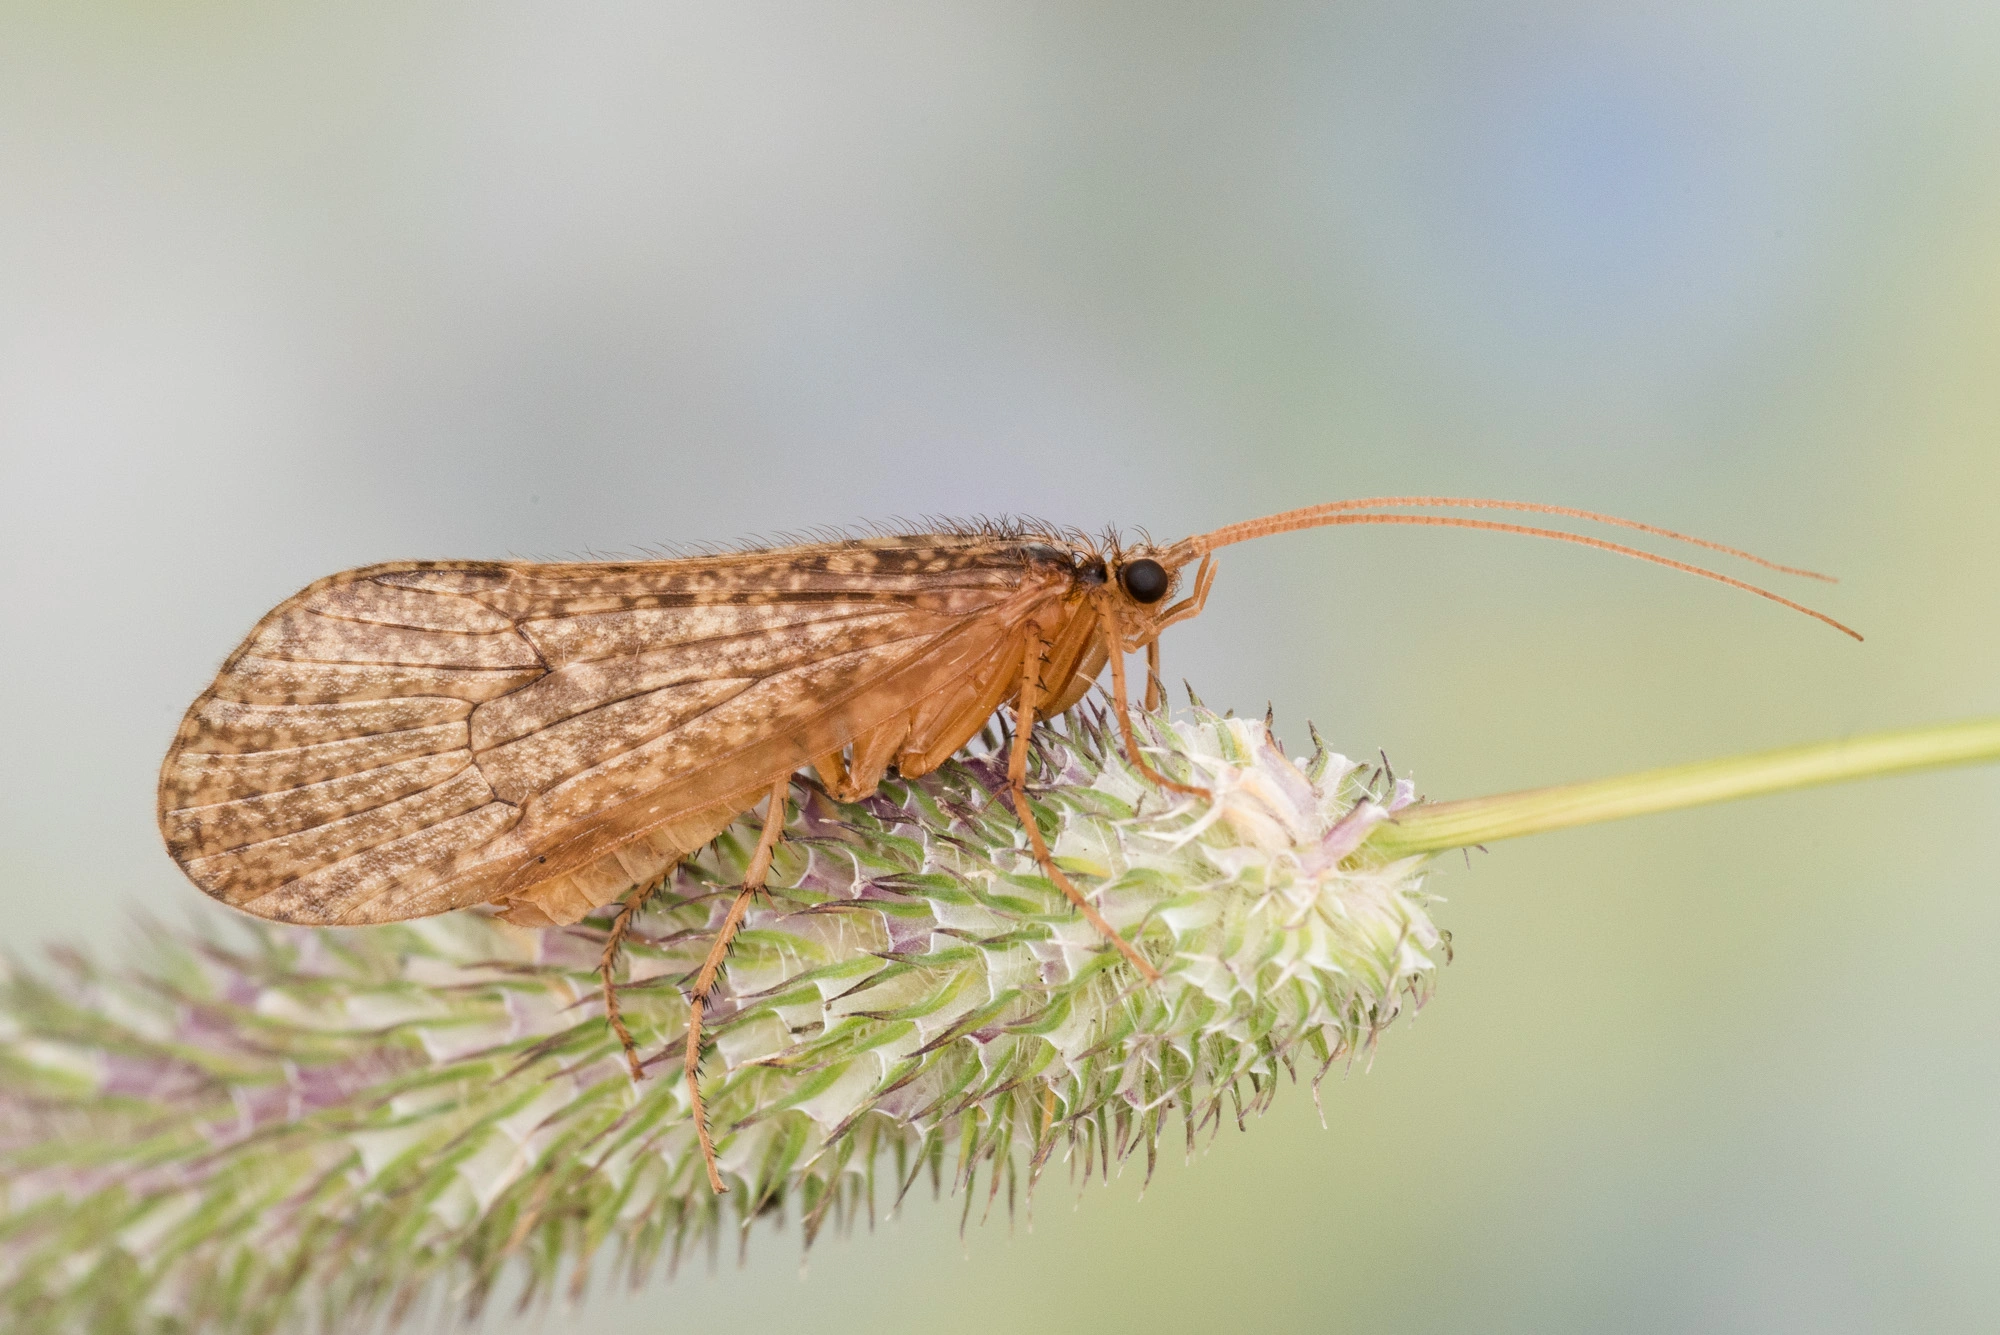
[288,289]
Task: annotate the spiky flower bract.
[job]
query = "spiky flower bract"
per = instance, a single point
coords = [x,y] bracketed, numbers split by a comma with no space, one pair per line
[265,1127]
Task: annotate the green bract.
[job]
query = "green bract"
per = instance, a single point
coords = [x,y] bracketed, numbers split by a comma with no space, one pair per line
[267,1125]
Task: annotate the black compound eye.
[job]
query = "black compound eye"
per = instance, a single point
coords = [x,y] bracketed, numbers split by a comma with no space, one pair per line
[1145,579]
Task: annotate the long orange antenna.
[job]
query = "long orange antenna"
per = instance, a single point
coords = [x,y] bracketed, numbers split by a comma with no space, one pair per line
[1222,537]
[1343,512]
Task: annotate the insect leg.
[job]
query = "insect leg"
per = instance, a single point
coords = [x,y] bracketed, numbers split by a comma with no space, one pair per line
[1017,782]
[1154,691]
[832,770]
[620,926]
[1190,606]
[1108,619]
[753,881]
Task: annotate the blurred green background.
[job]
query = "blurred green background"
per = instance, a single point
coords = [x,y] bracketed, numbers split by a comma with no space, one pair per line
[285,289]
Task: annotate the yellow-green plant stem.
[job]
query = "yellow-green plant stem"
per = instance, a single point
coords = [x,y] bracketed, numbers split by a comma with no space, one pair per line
[1437,826]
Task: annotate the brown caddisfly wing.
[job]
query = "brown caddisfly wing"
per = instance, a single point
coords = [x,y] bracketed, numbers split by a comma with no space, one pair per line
[405,739]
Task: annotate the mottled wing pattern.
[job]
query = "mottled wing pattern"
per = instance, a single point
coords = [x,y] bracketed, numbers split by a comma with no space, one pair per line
[401,740]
